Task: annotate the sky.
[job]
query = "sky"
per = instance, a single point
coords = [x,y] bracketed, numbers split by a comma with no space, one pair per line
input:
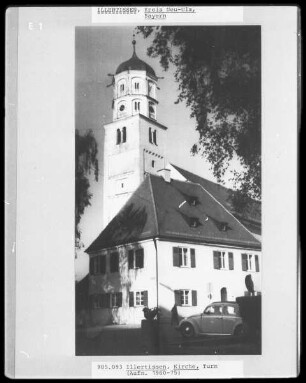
[99,51]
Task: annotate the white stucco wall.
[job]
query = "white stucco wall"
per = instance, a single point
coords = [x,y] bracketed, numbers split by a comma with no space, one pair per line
[124,281]
[203,278]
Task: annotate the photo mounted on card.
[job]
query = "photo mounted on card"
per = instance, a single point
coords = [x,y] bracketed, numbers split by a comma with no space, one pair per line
[168,190]
[151,180]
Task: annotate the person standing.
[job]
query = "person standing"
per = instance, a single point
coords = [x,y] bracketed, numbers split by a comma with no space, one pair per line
[174,316]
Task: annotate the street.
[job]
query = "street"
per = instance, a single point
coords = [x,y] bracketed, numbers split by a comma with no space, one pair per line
[131,340]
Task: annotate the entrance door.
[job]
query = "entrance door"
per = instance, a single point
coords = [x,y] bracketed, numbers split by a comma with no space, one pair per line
[223,294]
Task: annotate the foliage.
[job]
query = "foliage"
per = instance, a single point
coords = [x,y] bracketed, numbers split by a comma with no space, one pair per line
[219,77]
[86,163]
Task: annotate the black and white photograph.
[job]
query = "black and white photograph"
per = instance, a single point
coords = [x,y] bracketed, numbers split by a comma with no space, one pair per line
[151,192]
[168,190]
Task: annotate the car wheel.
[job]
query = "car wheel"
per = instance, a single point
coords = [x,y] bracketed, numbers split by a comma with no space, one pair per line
[240,330]
[187,330]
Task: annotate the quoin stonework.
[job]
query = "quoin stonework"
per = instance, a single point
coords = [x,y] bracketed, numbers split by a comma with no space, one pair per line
[170,236]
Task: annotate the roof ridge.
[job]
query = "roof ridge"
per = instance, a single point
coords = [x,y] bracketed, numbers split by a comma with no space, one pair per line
[206,179]
[154,205]
[228,212]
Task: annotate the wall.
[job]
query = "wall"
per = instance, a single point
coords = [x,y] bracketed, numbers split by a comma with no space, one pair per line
[124,281]
[203,278]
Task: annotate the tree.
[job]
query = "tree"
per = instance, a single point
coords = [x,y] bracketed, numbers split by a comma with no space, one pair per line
[86,162]
[219,75]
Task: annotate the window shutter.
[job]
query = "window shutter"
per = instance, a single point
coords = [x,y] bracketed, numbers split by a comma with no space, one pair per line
[103,301]
[91,301]
[139,258]
[131,299]
[176,259]
[192,258]
[119,299]
[231,261]
[217,259]
[114,262]
[102,264]
[145,298]
[108,302]
[256,262]
[194,298]
[91,266]
[131,259]
[177,297]
[244,260]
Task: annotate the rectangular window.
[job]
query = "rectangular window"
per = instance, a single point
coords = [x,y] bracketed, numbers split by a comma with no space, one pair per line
[98,265]
[136,259]
[223,260]
[114,262]
[231,261]
[116,299]
[184,257]
[185,297]
[100,301]
[249,262]
[138,298]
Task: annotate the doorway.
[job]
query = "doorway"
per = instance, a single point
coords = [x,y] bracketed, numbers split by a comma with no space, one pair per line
[223,294]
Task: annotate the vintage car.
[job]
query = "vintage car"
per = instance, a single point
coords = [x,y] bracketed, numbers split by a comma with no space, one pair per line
[219,318]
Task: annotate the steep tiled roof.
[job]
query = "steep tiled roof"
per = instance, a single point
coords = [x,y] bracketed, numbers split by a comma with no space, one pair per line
[222,194]
[163,209]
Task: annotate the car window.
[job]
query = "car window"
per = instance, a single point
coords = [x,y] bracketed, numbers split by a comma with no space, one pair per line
[230,310]
[215,310]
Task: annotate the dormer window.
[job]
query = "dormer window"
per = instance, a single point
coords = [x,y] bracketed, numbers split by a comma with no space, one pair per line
[194,222]
[193,201]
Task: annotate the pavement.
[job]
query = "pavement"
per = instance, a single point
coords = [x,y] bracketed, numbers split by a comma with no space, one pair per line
[132,340]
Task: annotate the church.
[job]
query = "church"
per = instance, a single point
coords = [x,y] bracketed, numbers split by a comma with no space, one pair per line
[170,236]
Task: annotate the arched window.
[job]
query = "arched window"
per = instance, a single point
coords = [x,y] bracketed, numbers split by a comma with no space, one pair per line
[223,293]
[154,137]
[151,110]
[118,137]
[136,86]
[124,134]
[137,106]
[150,136]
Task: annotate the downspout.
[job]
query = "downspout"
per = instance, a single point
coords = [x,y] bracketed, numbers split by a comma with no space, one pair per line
[156,263]
[157,296]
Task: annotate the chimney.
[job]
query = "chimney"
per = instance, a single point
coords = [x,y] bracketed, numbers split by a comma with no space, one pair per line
[166,174]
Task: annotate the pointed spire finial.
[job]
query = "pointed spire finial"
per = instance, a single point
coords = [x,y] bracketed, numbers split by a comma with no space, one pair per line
[134,44]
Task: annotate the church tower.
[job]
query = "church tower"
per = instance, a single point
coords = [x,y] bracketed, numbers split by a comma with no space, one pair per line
[134,142]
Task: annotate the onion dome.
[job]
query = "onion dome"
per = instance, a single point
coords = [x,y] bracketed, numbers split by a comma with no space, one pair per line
[134,63]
